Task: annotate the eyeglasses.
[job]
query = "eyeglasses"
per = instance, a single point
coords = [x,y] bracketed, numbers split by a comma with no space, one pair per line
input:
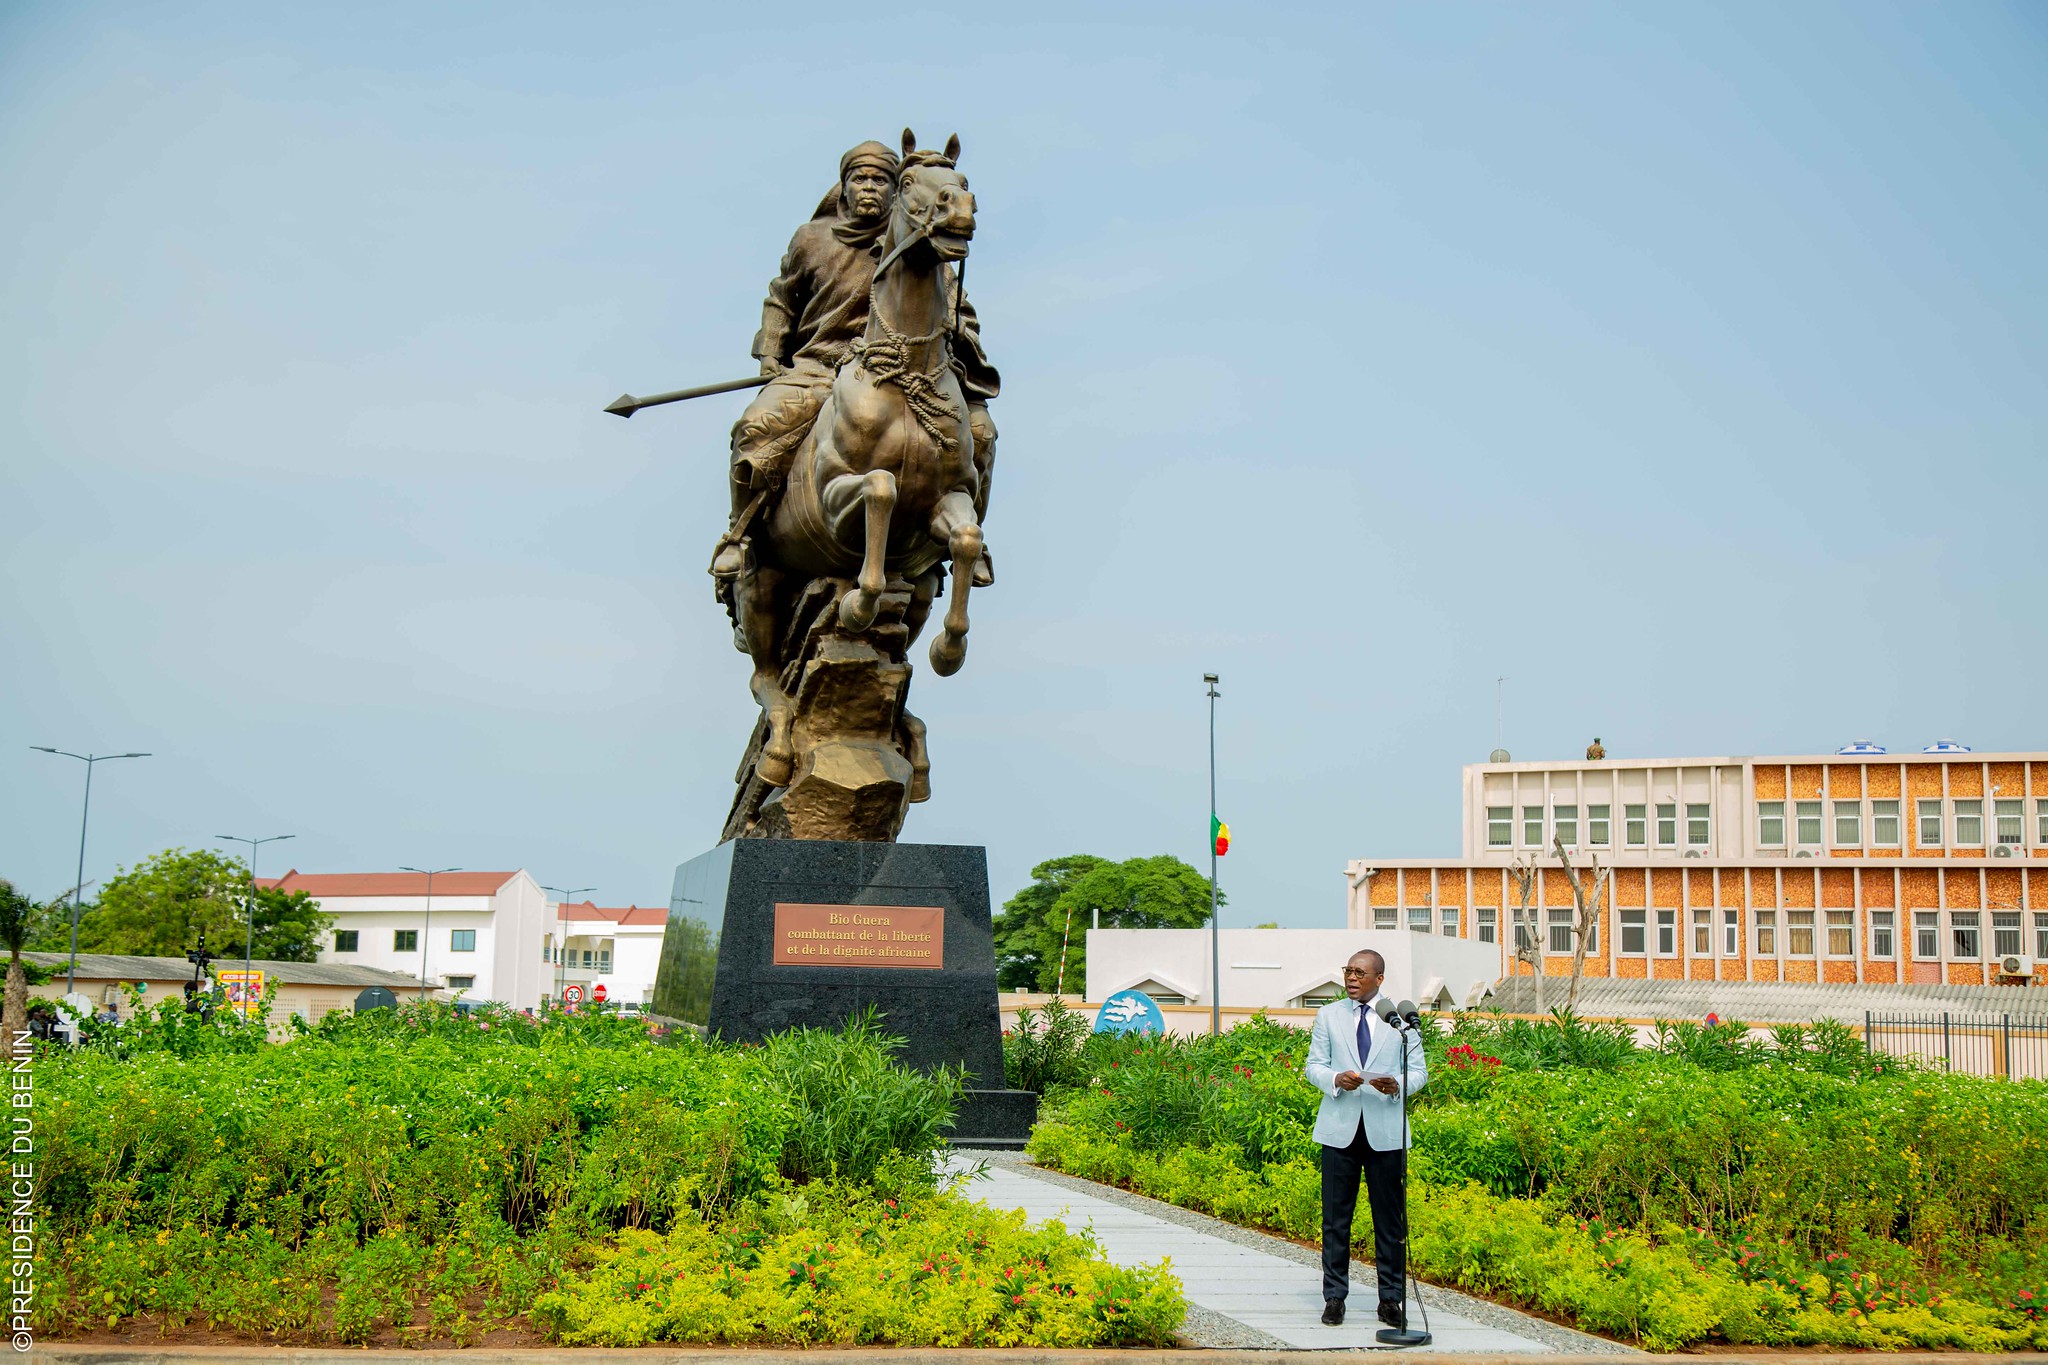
[1356,971]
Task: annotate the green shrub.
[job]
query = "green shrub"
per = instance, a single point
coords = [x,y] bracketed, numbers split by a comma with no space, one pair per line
[1045,1050]
[838,1265]
[857,1114]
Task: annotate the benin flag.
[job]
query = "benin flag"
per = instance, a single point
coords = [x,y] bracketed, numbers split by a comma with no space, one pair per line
[1220,833]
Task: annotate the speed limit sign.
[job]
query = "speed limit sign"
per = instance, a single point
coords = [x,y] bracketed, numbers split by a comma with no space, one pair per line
[572,995]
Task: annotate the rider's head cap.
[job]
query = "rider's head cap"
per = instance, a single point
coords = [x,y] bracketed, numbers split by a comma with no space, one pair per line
[869,154]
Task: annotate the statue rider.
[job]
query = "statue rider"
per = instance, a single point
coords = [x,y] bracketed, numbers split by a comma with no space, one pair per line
[817,307]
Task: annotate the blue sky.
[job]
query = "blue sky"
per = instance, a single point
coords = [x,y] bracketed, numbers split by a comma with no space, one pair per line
[1687,365]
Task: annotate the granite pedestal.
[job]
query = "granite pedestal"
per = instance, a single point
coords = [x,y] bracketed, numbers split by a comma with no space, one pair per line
[720,970]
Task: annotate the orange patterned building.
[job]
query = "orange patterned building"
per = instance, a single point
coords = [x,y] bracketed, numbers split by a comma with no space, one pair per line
[1858,866]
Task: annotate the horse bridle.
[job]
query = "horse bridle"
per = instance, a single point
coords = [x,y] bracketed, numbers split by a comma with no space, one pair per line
[924,232]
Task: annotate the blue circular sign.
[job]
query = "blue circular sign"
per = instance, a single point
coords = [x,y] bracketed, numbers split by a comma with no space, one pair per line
[1129,1012]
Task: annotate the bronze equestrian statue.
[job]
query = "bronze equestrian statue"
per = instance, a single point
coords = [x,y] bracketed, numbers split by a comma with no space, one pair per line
[859,480]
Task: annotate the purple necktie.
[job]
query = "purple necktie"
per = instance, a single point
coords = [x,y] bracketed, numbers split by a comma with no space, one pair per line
[1364,1034]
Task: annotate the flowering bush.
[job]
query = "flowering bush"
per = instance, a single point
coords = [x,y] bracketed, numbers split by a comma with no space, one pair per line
[412,1175]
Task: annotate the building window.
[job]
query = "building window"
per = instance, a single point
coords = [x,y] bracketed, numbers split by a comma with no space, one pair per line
[1841,933]
[1532,826]
[1880,933]
[1808,817]
[1698,828]
[2041,937]
[1766,932]
[1884,823]
[1598,826]
[1567,824]
[1703,932]
[1561,931]
[604,959]
[1488,919]
[1930,824]
[547,950]
[461,983]
[1667,933]
[345,940]
[1450,921]
[1731,923]
[1667,824]
[589,958]
[1848,823]
[405,940]
[462,940]
[2005,933]
[1500,826]
[1385,917]
[1926,936]
[1770,824]
[1970,823]
[2011,821]
[1418,919]
[1799,932]
[1636,836]
[1962,926]
[2042,807]
[1632,932]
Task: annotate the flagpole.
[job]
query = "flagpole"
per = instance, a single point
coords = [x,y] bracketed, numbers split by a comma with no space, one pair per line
[1215,951]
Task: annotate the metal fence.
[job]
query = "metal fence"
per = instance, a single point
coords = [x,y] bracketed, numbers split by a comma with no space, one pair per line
[1980,1044]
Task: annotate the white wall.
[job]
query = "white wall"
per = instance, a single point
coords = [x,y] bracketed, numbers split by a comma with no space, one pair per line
[509,927]
[1272,968]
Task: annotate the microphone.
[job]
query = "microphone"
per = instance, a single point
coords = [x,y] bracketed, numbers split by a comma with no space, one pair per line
[1406,1009]
[1388,1012]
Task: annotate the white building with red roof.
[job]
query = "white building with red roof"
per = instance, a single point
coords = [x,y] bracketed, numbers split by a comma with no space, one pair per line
[486,935]
[616,946]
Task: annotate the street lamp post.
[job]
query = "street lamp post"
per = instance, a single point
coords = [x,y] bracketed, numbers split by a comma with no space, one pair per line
[78,895]
[427,916]
[561,947]
[1215,938]
[249,942]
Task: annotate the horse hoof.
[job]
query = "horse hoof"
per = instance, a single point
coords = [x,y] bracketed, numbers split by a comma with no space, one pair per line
[949,651]
[857,610]
[776,769]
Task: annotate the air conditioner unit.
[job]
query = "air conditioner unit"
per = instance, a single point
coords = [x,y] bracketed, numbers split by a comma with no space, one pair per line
[1804,853]
[1694,853]
[2003,851]
[2015,964]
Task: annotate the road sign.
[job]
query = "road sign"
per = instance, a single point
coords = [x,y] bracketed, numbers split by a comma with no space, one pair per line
[598,994]
[572,995]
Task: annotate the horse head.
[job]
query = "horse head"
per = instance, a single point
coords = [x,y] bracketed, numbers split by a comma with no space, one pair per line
[933,205]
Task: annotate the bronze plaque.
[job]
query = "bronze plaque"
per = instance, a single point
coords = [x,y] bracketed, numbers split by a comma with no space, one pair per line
[859,936]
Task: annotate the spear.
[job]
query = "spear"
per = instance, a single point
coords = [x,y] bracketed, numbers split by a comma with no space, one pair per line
[626,404]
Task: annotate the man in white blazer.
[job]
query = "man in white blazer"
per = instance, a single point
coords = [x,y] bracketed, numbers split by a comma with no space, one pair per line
[1354,1058]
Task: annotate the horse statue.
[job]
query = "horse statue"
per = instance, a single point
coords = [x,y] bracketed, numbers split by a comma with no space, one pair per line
[882,497]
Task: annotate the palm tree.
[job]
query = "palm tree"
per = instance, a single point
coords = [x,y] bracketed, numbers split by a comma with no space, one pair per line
[17,918]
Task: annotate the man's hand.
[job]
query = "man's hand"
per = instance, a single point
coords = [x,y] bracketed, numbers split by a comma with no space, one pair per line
[1349,1080]
[770,366]
[1386,1085]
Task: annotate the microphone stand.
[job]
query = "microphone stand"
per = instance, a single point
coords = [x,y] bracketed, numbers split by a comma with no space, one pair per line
[1402,1018]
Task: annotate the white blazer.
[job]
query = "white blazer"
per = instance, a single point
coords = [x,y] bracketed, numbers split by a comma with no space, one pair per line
[1333,1050]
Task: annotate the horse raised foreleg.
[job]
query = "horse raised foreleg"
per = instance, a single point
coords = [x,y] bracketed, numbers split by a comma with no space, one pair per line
[878,495]
[954,524]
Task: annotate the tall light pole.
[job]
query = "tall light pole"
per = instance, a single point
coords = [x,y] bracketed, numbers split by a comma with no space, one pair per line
[559,947]
[1215,938]
[427,916]
[249,943]
[78,892]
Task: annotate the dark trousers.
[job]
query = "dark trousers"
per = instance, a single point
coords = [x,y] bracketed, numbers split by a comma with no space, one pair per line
[1342,1167]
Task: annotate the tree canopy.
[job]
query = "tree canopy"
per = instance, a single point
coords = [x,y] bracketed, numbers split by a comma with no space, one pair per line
[158,908]
[1140,893]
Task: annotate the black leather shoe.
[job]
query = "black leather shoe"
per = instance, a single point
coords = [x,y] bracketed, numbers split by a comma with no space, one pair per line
[1333,1312]
[1390,1314]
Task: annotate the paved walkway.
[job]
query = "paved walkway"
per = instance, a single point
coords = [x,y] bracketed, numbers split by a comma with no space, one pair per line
[1272,1295]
